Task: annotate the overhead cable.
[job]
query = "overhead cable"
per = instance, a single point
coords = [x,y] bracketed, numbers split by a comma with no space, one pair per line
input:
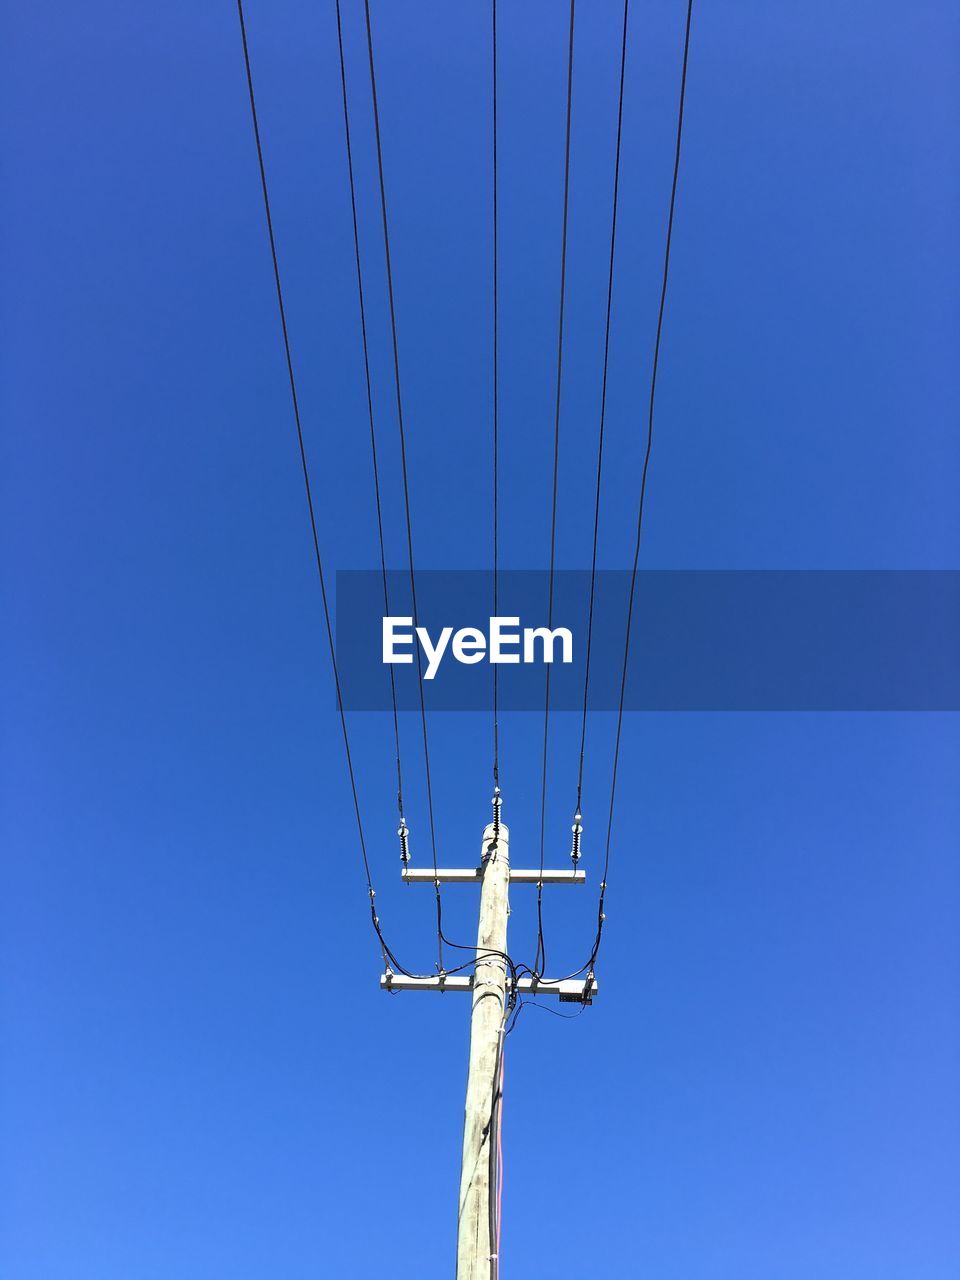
[540,958]
[403,465]
[403,830]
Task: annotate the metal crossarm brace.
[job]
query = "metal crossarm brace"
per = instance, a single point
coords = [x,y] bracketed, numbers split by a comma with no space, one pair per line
[474,875]
[567,989]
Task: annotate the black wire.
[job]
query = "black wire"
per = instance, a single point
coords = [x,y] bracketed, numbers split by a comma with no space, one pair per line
[442,939]
[389,957]
[523,1004]
[496,410]
[403,463]
[589,965]
[603,406]
[366,372]
[494,1172]
[540,958]
[646,464]
[387,954]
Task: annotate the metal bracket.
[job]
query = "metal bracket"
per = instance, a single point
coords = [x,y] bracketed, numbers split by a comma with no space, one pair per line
[473,875]
[580,991]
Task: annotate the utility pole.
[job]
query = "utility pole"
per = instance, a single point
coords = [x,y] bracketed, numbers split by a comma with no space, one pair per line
[493,989]
[476,1238]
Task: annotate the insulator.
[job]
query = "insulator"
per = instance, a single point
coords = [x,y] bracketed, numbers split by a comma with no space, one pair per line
[577,829]
[403,832]
[497,803]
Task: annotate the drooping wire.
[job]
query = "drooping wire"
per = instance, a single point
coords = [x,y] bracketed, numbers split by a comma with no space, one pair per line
[646,465]
[529,1002]
[496,414]
[442,939]
[403,829]
[406,488]
[577,818]
[387,954]
[601,917]
[540,957]
[390,960]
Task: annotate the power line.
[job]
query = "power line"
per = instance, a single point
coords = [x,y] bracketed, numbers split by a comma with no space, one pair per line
[442,939]
[646,465]
[387,954]
[389,957]
[601,917]
[403,464]
[603,414]
[496,410]
[540,958]
[373,434]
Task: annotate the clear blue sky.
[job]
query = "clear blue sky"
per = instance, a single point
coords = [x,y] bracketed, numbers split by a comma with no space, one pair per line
[200,1079]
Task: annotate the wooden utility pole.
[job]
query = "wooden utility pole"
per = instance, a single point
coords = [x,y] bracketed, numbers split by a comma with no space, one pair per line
[493,989]
[476,1241]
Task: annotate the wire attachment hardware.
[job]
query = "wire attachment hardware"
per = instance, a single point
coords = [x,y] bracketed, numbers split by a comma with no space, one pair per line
[577,830]
[403,831]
